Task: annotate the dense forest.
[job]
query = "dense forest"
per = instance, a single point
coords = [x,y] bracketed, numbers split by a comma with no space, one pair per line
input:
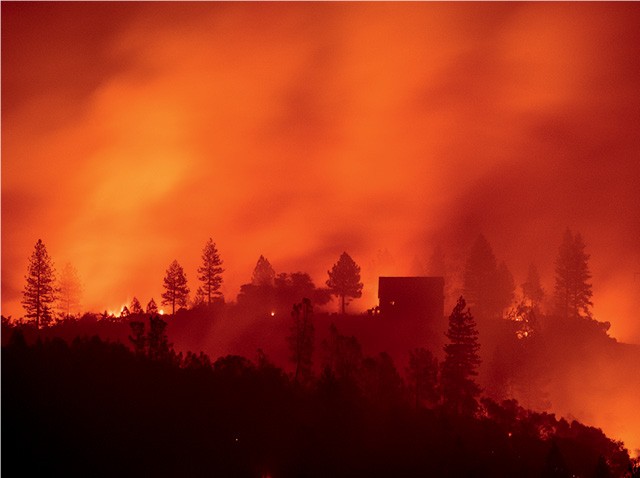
[96,408]
[351,394]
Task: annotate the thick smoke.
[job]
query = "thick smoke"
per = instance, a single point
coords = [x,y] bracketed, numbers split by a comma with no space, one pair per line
[132,133]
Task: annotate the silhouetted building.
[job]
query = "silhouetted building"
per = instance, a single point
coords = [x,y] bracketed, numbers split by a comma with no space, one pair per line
[413,304]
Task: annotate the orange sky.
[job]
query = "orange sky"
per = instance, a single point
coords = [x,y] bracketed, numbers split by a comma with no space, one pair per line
[131,133]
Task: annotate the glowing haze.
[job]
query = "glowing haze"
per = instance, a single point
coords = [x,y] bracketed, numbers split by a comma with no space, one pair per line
[131,133]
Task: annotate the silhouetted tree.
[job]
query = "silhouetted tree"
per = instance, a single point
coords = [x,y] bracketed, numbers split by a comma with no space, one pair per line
[602,468]
[288,287]
[39,291]
[157,340]
[505,286]
[344,279]
[343,355]
[137,337]
[301,339]
[70,290]
[199,298]
[263,273]
[488,289]
[152,308]
[175,283]
[532,288]
[210,273]
[380,381]
[125,312]
[555,466]
[422,375]
[461,361]
[572,290]
[136,308]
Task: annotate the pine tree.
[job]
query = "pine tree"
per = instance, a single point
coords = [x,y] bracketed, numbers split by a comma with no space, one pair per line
[210,273]
[199,299]
[39,291]
[263,274]
[344,279]
[136,308]
[488,287]
[137,337]
[572,290]
[532,289]
[175,283]
[343,355]
[461,361]
[70,290]
[301,339]
[422,375]
[157,340]
[152,308]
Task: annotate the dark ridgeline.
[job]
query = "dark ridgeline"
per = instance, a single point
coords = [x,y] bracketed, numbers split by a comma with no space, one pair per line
[94,408]
[87,407]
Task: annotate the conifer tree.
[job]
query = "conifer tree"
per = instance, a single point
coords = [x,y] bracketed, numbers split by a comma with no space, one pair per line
[39,291]
[137,337]
[176,290]
[422,375]
[344,279]
[263,274]
[532,289]
[461,361]
[572,290]
[70,290]
[152,308]
[301,339]
[199,298]
[210,273]
[488,287]
[136,308]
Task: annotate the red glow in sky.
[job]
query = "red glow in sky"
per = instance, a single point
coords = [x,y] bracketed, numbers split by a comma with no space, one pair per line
[132,132]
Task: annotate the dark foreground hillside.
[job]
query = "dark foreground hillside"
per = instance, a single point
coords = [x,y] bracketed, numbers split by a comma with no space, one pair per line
[94,408]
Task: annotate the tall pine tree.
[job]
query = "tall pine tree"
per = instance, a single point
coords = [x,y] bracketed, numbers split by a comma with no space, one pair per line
[263,273]
[39,291]
[70,290]
[489,288]
[152,308]
[461,361]
[301,339]
[572,290]
[532,289]
[210,273]
[176,290]
[136,308]
[344,279]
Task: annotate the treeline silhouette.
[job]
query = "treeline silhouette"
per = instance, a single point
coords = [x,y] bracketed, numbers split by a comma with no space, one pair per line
[97,408]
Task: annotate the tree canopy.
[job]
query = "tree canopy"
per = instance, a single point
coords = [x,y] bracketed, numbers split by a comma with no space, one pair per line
[572,289]
[487,286]
[263,273]
[210,272]
[176,290]
[39,291]
[344,279]
[461,361]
